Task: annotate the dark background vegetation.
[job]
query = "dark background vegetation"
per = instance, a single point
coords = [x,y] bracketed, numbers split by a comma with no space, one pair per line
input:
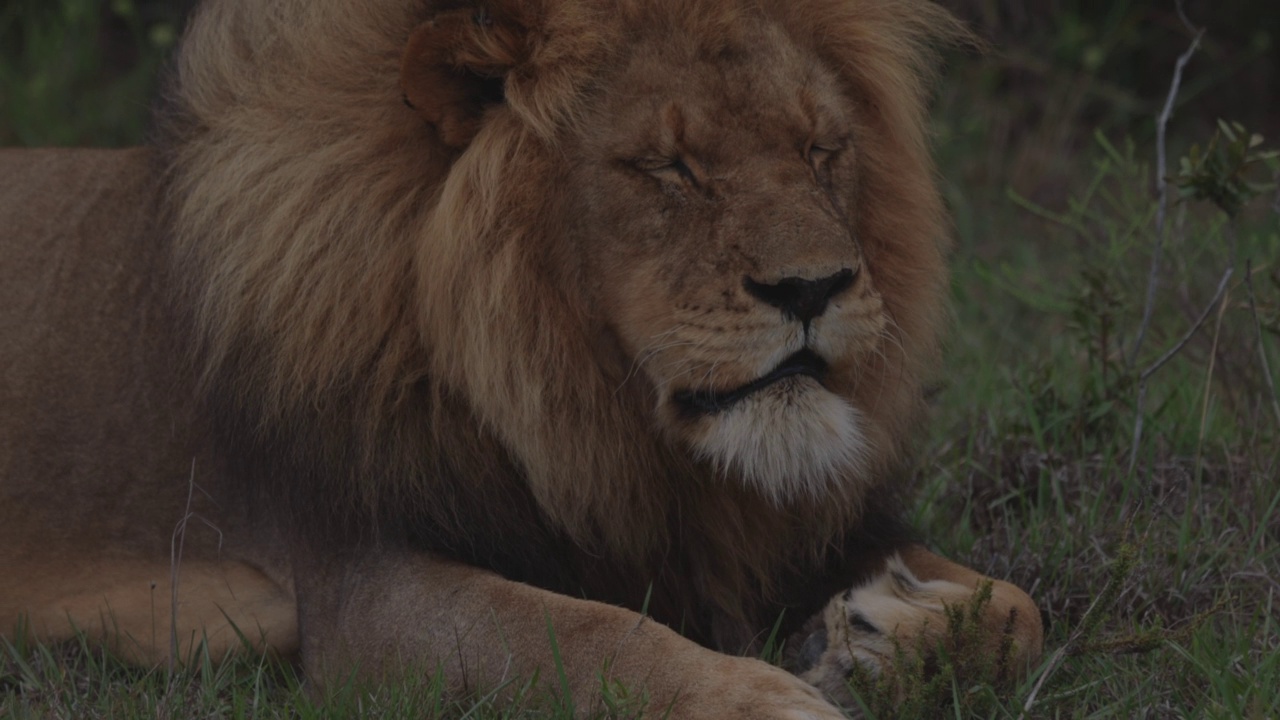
[75,71]
[1061,70]
[1157,563]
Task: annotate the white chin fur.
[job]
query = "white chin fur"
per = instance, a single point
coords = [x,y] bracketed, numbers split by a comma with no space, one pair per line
[791,440]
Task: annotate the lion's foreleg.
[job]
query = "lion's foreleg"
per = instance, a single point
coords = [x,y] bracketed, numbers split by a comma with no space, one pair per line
[144,608]
[918,603]
[383,614]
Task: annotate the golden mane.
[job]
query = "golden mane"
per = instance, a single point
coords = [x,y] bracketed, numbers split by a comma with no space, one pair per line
[380,319]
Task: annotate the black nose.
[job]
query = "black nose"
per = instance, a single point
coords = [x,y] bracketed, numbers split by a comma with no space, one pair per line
[800,298]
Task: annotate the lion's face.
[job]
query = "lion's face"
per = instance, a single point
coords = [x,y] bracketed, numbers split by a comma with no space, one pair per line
[718,243]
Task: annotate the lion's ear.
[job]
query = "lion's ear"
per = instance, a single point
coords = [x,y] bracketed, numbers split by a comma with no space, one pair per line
[456,65]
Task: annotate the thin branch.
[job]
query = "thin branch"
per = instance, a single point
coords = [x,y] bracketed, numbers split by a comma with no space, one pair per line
[1208,389]
[1204,315]
[176,543]
[1166,357]
[1153,277]
[1138,424]
[1257,324]
[1040,682]
[1162,182]
[1088,624]
[1182,15]
[1050,669]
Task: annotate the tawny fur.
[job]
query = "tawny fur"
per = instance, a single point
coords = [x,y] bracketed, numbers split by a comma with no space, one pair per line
[407,298]
[333,240]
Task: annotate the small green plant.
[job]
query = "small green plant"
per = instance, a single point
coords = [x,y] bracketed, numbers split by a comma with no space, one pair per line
[1230,171]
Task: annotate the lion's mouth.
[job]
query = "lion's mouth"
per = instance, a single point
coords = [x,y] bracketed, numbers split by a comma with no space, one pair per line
[708,402]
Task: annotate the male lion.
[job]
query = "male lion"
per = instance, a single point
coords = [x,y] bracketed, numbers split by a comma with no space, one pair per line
[429,331]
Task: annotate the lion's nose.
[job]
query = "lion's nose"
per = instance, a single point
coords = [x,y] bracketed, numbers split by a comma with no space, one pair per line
[800,298]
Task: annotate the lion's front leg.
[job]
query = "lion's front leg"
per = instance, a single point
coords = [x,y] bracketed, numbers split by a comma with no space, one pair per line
[383,614]
[919,603]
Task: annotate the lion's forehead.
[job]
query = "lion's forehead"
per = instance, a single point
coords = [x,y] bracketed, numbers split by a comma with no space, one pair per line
[759,87]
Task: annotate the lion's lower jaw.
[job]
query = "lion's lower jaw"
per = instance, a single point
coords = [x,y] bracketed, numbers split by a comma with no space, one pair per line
[788,446]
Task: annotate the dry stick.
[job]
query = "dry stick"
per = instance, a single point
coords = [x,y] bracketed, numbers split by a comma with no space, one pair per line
[176,542]
[1049,670]
[1077,635]
[1186,337]
[1208,387]
[1257,324]
[1169,355]
[1121,567]
[1162,189]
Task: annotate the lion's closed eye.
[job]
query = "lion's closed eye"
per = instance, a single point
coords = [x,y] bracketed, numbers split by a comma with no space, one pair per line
[672,170]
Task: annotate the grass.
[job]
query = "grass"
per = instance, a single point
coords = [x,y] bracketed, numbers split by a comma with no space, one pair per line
[1159,582]
[76,680]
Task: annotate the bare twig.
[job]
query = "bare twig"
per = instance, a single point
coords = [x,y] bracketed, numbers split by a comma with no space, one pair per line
[1121,566]
[1162,183]
[1052,667]
[1257,324]
[1137,426]
[1182,342]
[1162,190]
[1166,357]
[176,543]
[1208,386]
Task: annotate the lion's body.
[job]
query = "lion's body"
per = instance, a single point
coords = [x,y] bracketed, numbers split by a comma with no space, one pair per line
[336,361]
[91,500]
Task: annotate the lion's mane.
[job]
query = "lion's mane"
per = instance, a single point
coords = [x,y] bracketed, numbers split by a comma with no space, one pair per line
[383,337]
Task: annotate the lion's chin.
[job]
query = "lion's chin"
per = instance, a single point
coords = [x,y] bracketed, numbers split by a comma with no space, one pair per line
[792,440]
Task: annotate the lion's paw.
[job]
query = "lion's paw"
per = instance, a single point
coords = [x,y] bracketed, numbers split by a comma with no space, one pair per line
[895,620]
